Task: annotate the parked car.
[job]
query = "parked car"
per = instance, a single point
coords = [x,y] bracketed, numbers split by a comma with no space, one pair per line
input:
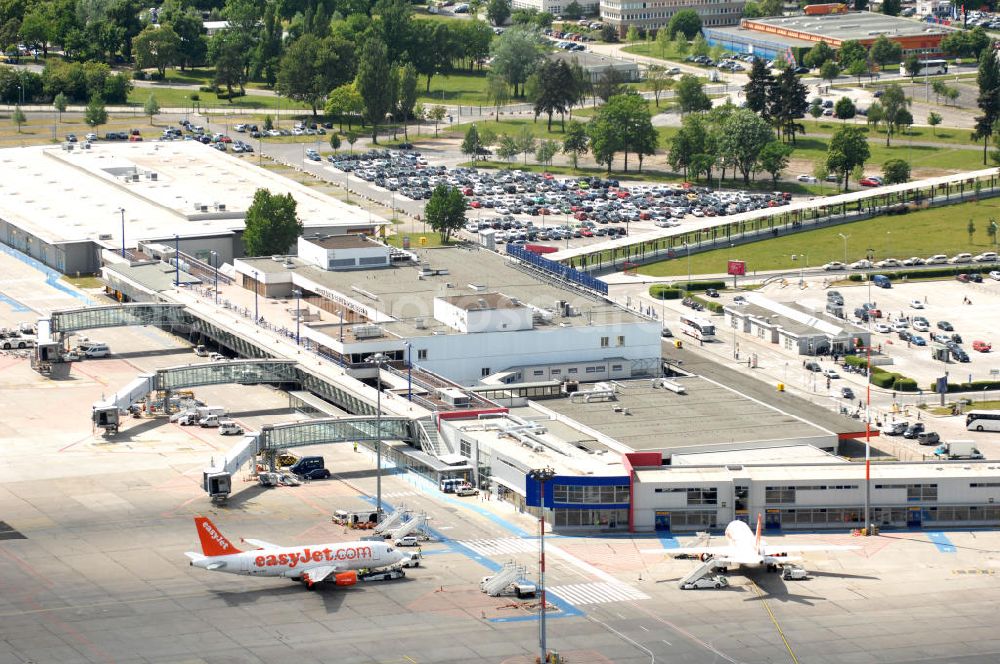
[711,292]
[230,428]
[894,428]
[920,326]
[995,275]
[917,340]
[960,258]
[985,257]
[846,393]
[982,346]
[945,325]
[830,373]
[409,540]
[914,430]
[807,178]
[869,182]
[917,304]
[813,366]
[936,259]
[862,264]
[834,265]
[928,438]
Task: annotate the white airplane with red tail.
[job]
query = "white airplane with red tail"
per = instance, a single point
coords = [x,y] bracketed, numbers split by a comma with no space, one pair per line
[310,564]
[744,547]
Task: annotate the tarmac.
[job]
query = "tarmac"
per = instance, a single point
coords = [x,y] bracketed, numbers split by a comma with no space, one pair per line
[94,531]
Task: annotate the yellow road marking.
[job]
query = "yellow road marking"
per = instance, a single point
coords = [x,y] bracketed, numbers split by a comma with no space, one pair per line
[774,620]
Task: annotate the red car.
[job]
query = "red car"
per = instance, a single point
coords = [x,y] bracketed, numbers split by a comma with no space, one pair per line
[868,182]
[982,346]
[585,232]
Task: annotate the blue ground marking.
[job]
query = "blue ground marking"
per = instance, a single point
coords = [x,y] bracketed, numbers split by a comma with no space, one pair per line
[669,542]
[14,305]
[941,541]
[566,610]
[51,276]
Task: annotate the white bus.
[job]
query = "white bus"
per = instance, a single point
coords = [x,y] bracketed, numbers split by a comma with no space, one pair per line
[982,420]
[927,67]
[697,327]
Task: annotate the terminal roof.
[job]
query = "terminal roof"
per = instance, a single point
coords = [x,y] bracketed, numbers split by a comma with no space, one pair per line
[710,417]
[407,296]
[759,455]
[795,474]
[854,25]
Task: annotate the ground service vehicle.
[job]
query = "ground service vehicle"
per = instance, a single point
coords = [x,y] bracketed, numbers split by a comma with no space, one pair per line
[230,428]
[521,589]
[793,573]
[409,540]
[982,420]
[310,467]
[698,327]
[467,491]
[382,575]
[958,449]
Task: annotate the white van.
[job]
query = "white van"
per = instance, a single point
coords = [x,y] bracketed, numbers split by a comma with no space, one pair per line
[95,349]
[229,428]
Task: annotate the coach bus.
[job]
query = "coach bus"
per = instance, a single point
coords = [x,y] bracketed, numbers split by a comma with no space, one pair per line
[697,327]
[982,420]
[927,68]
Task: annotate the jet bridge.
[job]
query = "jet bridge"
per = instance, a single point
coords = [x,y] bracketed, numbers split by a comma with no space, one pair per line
[106,413]
[65,321]
[217,480]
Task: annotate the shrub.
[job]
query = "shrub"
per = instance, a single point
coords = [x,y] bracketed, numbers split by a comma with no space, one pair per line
[904,384]
[156,76]
[978,385]
[664,292]
[701,285]
[208,88]
[139,75]
[855,277]
[856,361]
[195,96]
[882,378]
[711,305]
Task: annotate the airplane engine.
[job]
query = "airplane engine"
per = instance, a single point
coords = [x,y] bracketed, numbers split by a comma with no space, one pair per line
[346,578]
[705,557]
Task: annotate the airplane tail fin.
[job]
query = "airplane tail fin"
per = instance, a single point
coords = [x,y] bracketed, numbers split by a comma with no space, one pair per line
[760,519]
[213,543]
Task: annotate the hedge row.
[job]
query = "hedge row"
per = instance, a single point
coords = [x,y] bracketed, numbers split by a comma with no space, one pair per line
[970,387]
[856,360]
[711,305]
[887,379]
[663,292]
[701,285]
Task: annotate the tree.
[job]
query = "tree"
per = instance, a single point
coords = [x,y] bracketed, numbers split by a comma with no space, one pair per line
[690,95]
[345,101]
[829,71]
[573,11]
[516,54]
[151,107]
[894,102]
[498,11]
[192,47]
[554,89]
[272,226]
[351,138]
[445,211]
[688,144]
[156,47]
[848,150]
[18,117]
[744,135]
[226,52]
[913,66]
[895,171]
[852,51]
[845,108]
[525,142]
[610,83]
[576,141]
[658,80]
[818,55]
[268,123]
[971,229]
[335,141]
[632,34]
[699,46]
[95,114]
[663,42]
[988,100]
[891,7]
[904,120]
[507,148]
[816,108]
[681,45]
[374,75]
[788,104]
[609,33]
[857,69]
[470,144]
[884,50]
[437,113]
[774,159]
[624,125]
[59,103]
[312,67]
[934,119]
[687,22]
[820,172]
[407,93]
[546,151]
[991,230]
[759,88]
[497,92]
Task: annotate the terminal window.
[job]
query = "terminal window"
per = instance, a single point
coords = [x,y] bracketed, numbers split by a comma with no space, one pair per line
[422,354]
[703,496]
[779,494]
[563,493]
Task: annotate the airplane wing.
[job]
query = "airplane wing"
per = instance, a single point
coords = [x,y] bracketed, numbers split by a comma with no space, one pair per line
[260,544]
[778,549]
[717,551]
[318,573]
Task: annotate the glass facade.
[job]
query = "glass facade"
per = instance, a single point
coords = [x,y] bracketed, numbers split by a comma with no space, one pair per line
[584,518]
[603,495]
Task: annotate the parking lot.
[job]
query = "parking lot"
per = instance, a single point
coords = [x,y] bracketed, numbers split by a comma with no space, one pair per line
[532,207]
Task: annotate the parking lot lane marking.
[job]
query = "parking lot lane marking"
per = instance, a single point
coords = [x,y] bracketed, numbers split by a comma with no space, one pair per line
[669,542]
[763,602]
[941,541]
[686,634]
[644,628]
[667,642]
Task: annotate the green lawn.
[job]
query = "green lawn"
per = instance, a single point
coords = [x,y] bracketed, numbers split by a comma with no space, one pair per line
[933,231]
[513,127]
[652,50]
[918,156]
[180,98]
[916,134]
[458,88]
[202,76]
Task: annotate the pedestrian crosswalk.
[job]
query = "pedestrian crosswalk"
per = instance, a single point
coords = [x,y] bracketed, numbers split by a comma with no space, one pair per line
[597,593]
[501,546]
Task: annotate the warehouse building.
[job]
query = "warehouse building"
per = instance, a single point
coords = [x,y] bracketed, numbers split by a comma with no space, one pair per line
[596,65]
[175,193]
[792,36]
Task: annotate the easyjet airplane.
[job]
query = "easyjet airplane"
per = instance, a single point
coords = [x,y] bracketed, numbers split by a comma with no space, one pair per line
[311,564]
[746,548]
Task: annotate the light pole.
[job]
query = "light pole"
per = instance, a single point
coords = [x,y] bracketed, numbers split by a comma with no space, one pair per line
[409,370]
[256,287]
[122,210]
[844,238]
[215,256]
[378,359]
[868,437]
[298,316]
[177,261]
[888,245]
[688,248]
[542,475]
